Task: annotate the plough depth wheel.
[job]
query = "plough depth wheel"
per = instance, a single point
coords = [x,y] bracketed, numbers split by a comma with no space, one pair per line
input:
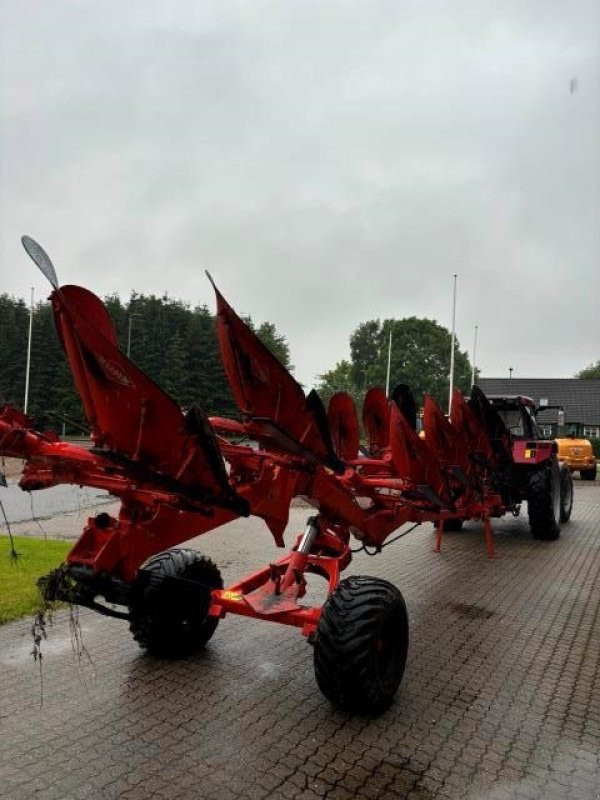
[169,617]
[361,644]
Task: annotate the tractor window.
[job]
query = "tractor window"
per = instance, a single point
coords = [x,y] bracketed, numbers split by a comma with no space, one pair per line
[520,421]
[534,431]
[513,419]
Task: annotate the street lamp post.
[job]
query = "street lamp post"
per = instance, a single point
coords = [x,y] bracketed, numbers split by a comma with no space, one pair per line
[474,356]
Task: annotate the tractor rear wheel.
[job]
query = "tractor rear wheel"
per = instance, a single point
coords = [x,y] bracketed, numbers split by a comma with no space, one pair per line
[588,474]
[361,645]
[544,502]
[566,494]
[169,615]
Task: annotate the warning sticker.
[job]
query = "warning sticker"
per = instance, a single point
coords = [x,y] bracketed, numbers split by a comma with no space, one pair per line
[231,595]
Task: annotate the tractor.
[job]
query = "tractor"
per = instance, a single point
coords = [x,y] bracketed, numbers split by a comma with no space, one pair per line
[530,469]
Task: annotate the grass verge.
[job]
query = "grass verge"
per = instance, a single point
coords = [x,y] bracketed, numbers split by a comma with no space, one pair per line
[18,591]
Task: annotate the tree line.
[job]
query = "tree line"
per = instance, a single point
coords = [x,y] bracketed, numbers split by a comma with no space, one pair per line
[177,346]
[591,372]
[419,356]
[172,342]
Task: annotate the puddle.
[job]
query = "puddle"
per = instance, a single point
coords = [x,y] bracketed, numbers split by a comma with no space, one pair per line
[470,610]
[55,644]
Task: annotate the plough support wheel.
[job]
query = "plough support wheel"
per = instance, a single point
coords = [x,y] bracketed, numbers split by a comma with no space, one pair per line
[361,645]
[169,616]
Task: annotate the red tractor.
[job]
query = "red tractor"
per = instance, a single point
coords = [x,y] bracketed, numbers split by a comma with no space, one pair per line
[529,469]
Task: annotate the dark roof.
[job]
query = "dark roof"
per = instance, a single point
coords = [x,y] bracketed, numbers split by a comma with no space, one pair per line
[580,398]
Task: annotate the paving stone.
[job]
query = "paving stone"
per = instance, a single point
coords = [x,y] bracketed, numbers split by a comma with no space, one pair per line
[501,705]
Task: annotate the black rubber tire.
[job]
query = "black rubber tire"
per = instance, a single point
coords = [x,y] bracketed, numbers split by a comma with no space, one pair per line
[543,502]
[169,617]
[588,474]
[361,645]
[566,494]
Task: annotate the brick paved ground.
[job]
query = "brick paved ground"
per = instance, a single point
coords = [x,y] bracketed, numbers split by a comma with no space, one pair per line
[501,697]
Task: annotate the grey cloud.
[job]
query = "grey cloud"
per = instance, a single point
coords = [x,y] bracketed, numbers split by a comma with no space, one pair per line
[328,162]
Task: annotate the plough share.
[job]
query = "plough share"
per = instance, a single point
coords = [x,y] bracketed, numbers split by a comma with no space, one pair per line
[179,475]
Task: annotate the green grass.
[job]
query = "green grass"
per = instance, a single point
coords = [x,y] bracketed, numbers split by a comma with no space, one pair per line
[18,591]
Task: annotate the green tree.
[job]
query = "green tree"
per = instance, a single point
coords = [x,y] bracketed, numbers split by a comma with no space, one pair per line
[276,342]
[420,357]
[175,345]
[174,374]
[119,315]
[365,345]
[14,326]
[52,391]
[338,379]
[591,371]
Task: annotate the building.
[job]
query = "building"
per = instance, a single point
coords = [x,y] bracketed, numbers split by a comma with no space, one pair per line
[579,398]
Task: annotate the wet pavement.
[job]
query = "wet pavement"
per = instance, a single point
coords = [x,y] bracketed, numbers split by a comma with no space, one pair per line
[20,506]
[500,699]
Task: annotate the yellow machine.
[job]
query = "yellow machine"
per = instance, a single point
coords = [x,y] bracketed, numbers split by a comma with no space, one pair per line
[578,455]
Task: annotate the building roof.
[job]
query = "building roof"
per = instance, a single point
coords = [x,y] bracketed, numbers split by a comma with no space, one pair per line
[580,398]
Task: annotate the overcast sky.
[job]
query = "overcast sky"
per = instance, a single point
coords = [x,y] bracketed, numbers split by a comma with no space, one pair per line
[328,162]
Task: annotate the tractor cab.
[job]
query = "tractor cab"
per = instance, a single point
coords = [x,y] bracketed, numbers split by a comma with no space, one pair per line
[518,414]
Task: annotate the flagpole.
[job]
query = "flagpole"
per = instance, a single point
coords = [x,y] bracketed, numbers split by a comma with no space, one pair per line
[26,400]
[389,363]
[474,356]
[452,338]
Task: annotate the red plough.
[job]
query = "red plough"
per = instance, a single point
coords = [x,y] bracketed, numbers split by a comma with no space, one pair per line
[180,475]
